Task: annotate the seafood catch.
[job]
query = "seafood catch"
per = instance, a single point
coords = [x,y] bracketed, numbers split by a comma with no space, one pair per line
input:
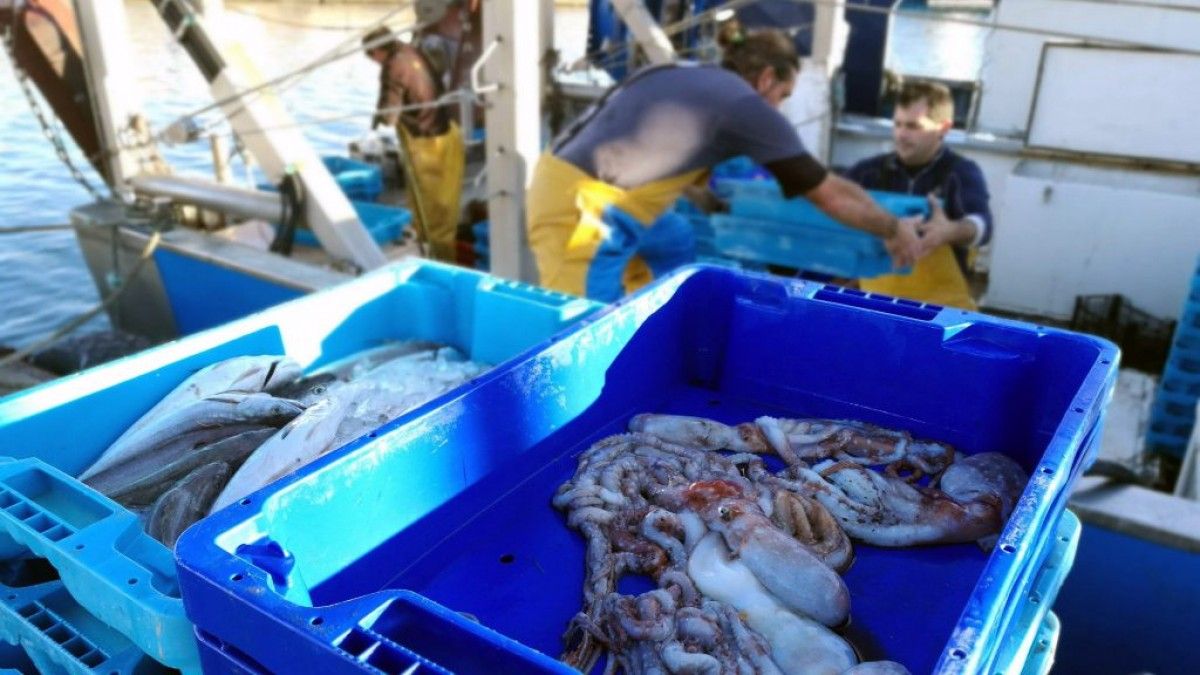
[746,560]
[240,424]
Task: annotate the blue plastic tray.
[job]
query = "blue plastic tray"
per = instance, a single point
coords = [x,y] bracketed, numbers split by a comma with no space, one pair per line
[359,181]
[795,233]
[455,504]
[384,222]
[106,564]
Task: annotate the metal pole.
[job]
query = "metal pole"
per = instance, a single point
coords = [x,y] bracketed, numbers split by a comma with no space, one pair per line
[227,199]
[830,32]
[126,145]
[265,127]
[514,124]
[649,35]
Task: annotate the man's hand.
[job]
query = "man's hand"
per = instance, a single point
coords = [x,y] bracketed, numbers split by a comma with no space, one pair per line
[904,245]
[940,230]
[705,199]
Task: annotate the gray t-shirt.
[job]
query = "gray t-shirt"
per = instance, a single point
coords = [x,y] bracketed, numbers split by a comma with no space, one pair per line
[668,120]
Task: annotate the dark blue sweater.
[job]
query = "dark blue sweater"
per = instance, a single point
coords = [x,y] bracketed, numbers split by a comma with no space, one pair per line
[950,176]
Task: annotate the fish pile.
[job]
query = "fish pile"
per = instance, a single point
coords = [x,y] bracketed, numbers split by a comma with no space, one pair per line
[241,424]
[747,561]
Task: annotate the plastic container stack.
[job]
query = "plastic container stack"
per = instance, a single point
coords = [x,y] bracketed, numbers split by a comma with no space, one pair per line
[362,184]
[1173,414]
[763,228]
[436,541]
[1144,339]
[83,587]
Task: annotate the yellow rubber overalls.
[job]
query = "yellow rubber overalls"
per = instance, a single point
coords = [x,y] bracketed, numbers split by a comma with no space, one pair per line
[438,163]
[936,278]
[592,238]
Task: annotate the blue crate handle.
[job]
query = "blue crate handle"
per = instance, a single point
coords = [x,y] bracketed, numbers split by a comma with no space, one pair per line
[88,539]
[52,630]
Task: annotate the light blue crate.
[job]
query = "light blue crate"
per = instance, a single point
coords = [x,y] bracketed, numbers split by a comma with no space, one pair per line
[385,223]
[1045,645]
[1023,648]
[106,564]
[846,254]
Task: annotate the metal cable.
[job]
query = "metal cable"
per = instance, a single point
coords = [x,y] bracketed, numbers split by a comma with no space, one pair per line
[295,24]
[22,229]
[72,325]
[338,53]
[701,18]
[48,130]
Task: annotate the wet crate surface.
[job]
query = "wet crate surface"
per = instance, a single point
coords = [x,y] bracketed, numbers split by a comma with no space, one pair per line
[464,492]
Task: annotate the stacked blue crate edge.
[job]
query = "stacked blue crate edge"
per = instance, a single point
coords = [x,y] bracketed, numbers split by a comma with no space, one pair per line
[1173,414]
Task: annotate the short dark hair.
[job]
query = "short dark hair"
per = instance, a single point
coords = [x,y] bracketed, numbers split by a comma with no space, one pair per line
[936,96]
[748,53]
[379,38]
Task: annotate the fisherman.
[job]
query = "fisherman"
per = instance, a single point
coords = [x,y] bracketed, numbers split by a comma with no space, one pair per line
[429,136]
[451,38]
[921,164]
[596,196]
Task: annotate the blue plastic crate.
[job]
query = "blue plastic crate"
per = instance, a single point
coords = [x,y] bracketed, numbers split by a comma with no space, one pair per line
[797,234]
[454,504]
[106,564]
[384,222]
[1045,644]
[359,181]
[1166,443]
[1023,642]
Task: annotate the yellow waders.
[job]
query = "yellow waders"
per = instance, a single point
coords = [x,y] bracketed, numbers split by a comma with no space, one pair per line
[439,163]
[568,219]
[936,278]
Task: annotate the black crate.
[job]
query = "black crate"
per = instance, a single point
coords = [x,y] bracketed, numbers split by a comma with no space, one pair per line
[1144,339]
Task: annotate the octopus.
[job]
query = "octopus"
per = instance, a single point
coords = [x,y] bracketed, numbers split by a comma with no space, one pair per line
[746,561]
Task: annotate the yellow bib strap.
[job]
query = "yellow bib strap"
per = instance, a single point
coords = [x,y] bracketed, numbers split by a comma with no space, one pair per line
[565,208]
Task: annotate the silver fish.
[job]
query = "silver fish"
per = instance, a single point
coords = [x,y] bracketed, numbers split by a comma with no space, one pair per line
[232,450]
[302,440]
[195,423]
[360,362]
[186,502]
[242,374]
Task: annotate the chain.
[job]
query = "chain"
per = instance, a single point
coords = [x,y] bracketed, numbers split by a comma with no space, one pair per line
[48,130]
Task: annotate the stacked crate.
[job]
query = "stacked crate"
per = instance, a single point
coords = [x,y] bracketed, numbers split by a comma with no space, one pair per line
[1174,411]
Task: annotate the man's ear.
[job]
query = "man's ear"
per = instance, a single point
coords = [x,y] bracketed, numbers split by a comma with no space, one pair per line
[765,80]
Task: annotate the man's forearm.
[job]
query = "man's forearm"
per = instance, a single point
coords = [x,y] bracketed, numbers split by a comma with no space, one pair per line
[851,205]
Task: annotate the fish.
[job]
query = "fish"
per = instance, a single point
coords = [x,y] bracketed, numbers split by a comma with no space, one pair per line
[308,390]
[307,437]
[358,363]
[375,398]
[185,429]
[186,502]
[232,450]
[241,374]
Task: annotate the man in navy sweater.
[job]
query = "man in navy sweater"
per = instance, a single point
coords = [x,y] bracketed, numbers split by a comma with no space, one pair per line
[922,165]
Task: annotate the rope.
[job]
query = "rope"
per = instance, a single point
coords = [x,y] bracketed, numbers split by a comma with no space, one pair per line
[338,53]
[21,229]
[288,22]
[104,304]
